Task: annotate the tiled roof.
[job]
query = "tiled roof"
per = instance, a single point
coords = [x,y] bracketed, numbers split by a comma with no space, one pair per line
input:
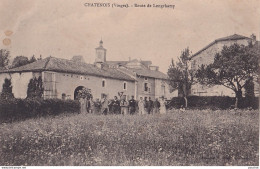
[149,73]
[68,66]
[232,37]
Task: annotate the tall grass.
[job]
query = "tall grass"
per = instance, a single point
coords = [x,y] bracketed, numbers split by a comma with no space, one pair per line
[198,137]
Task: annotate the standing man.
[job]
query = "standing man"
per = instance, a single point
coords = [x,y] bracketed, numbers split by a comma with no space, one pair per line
[116,106]
[88,104]
[97,106]
[132,104]
[104,104]
[156,106]
[124,106]
[149,106]
[141,104]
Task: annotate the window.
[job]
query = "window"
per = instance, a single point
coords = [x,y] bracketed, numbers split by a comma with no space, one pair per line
[81,77]
[103,83]
[125,86]
[145,79]
[146,87]
[163,89]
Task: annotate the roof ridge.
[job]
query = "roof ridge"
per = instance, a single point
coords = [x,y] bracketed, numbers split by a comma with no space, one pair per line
[231,37]
[47,62]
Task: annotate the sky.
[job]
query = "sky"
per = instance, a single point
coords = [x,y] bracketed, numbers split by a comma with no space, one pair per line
[65,28]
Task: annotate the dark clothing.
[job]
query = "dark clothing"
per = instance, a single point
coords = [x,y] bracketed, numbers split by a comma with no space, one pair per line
[97,106]
[132,106]
[88,106]
[156,106]
[115,106]
[149,106]
[105,111]
[145,104]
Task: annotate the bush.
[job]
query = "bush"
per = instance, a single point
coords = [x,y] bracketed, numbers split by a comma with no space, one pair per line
[19,109]
[212,102]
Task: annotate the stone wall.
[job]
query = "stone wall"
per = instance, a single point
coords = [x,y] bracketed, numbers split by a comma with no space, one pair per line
[67,83]
[19,81]
[206,57]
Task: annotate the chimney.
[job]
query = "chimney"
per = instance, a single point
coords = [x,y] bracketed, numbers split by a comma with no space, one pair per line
[156,68]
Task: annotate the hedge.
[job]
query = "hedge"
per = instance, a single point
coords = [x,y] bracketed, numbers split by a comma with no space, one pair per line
[20,109]
[213,102]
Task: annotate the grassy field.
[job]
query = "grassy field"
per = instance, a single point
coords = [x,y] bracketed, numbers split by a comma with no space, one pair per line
[193,137]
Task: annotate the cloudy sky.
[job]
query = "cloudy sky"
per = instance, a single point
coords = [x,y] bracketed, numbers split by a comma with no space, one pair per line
[64,28]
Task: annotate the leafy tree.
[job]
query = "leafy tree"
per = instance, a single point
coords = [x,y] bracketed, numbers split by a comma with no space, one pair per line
[20,61]
[4,58]
[232,67]
[35,88]
[84,93]
[181,76]
[7,89]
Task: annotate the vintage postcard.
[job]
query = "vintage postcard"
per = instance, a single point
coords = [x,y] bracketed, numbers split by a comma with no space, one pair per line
[129,83]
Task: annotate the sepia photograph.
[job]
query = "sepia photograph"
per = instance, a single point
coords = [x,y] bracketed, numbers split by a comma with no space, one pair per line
[129,83]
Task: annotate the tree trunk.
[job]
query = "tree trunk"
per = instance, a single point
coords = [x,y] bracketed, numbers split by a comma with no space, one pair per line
[238,98]
[186,101]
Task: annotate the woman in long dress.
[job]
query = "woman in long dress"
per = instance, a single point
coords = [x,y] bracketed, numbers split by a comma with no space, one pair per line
[162,106]
[141,106]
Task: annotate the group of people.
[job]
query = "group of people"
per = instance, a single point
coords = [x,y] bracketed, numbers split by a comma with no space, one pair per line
[123,106]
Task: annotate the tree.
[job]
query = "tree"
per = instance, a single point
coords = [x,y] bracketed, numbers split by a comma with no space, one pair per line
[181,76]
[35,88]
[84,93]
[33,59]
[232,67]
[7,89]
[4,58]
[20,61]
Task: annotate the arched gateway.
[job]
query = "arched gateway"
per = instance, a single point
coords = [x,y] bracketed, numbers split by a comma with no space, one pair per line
[83,92]
[76,92]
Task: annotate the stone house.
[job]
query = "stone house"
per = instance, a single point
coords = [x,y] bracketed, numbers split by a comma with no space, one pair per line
[206,56]
[63,78]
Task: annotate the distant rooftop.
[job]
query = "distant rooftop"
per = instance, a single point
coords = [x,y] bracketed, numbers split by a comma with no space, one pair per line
[68,66]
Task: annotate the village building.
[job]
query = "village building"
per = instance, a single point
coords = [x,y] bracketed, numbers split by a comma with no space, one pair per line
[206,56]
[63,78]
